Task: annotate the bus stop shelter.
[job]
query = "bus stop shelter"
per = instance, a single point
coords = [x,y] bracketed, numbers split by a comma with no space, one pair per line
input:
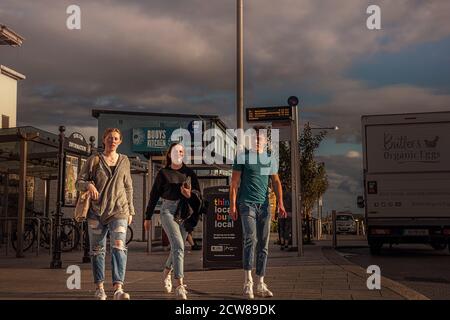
[29,152]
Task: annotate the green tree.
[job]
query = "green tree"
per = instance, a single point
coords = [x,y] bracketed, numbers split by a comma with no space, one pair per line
[284,170]
[314,180]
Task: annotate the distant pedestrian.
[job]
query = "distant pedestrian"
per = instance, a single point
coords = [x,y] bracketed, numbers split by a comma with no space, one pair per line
[285,222]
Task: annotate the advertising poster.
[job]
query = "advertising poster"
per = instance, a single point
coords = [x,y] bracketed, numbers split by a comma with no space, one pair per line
[222,235]
[71,170]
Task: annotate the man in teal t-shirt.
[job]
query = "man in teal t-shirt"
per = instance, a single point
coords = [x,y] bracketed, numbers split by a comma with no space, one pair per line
[251,172]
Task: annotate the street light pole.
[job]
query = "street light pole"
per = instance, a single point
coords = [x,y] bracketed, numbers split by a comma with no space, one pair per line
[326,128]
[297,232]
[298,184]
[294,186]
[56,262]
[240,65]
[86,244]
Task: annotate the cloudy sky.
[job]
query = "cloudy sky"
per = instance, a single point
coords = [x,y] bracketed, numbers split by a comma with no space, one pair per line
[179,56]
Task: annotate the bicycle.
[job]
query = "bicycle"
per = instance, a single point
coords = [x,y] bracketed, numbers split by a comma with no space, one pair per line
[29,235]
[70,234]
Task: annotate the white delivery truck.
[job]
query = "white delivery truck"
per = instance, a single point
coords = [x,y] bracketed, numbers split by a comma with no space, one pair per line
[406,179]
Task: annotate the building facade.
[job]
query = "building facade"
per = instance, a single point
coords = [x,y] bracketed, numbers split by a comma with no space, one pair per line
[146,137]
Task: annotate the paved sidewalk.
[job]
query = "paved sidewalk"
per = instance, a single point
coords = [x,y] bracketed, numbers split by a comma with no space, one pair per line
[321,273]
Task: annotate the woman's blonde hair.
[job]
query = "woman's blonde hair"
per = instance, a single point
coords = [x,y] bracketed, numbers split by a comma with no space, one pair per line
[111,130]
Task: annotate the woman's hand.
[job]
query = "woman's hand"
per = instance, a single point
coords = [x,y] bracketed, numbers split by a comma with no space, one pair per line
[93,192]
[147,225]
[130,219]
[186,192]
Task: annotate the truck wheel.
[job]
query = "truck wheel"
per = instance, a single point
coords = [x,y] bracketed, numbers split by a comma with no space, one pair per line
[438,245]
[375,248]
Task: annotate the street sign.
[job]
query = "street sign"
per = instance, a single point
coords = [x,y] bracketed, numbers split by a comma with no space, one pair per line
[152,139]
[269,114]
[77,143]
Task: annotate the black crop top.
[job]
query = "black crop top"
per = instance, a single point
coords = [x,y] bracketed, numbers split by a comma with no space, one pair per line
[167,186]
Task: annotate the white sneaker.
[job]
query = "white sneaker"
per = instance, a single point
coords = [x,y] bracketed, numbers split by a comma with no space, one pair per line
[181,292]
[263,291]
[121,295]
[167,280]
[248,290]
[100,294]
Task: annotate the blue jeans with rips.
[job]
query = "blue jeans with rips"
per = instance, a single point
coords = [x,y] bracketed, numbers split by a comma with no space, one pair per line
[97,239]
[256,229]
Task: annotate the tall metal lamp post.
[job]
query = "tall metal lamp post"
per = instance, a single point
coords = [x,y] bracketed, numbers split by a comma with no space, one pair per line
[86,246]
[240,65]
[297,235]
[56,262]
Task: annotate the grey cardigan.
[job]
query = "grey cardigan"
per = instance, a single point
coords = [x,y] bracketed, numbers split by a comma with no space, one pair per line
[115,190]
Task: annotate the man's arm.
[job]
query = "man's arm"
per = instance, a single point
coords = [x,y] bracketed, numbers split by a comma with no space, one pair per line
[235,182]
[279,193]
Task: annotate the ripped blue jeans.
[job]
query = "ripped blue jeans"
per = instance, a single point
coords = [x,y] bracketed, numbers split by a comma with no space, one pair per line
[97,239]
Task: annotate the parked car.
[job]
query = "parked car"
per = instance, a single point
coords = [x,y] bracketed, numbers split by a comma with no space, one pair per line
[345,223]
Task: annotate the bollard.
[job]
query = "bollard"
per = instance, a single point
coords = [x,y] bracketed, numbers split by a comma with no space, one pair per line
[86,245]
[333,215]
[50,250]
[8,239]
[149,242]
[38,242]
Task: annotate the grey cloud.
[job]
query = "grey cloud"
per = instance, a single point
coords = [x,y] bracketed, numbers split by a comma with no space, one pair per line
[346,108]
[180,54]
[345,182]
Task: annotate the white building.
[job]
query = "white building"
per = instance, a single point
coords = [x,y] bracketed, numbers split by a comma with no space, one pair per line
[8,96]
[8,81]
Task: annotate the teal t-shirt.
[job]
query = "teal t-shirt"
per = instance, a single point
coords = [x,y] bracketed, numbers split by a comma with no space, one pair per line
[256,169]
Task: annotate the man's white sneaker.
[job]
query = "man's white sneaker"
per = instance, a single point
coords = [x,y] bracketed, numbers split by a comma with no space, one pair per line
[181,292]
[263,291]
[100,294]
[248,290]
[167,280]
[121,295]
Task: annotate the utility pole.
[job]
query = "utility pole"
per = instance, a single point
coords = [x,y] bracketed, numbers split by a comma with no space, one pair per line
[56,262]
[240,65]
[297,232]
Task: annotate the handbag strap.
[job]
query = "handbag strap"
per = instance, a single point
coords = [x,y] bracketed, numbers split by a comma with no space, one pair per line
[94,167]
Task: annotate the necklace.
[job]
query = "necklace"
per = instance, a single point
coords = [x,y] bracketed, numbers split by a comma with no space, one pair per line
[111,160]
